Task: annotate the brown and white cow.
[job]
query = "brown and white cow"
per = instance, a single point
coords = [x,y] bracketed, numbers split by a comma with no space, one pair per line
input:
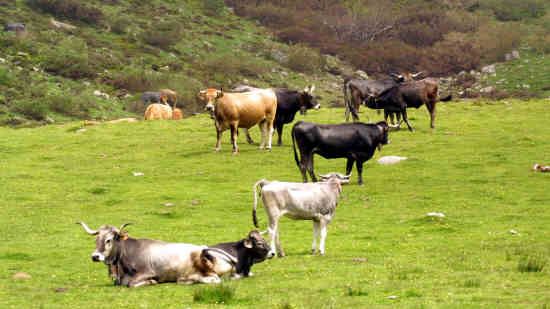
[158,111]
[241,110]
[137,262]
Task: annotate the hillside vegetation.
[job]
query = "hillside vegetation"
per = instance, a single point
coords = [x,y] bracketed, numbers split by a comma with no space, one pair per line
[380,36]
[491,250]
[123,47]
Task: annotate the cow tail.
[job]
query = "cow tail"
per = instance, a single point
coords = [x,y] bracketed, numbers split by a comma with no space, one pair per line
[346,99]
[294,146]
[259,183]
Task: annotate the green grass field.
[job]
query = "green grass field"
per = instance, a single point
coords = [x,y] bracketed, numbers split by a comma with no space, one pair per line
[475,168]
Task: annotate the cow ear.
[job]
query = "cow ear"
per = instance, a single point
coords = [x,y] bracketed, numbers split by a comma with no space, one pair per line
[202,94]
[220,93]
[248,243]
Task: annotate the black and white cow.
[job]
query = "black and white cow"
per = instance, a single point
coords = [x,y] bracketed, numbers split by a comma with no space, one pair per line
[298,201]
[356,142]
[236,258]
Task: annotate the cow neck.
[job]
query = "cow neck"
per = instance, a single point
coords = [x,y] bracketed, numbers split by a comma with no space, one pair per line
[120,252]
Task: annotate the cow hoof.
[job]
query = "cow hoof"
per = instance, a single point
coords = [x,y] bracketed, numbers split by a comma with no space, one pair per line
[281,255]
[217,149]
[235,153]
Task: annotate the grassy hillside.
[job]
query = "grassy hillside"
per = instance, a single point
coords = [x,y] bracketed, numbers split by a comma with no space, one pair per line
[475,168]
[125,47]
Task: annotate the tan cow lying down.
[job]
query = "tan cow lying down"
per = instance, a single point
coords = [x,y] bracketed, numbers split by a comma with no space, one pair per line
[169,96]
[158,112]
[177,114]
[241,110]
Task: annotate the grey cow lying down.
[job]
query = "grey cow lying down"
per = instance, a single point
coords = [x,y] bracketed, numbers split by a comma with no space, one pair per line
[299,201]
[137,262]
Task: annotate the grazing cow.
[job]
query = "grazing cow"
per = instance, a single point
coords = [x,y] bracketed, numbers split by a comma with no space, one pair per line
[409,94]
[289,102]
[354,141]
[357,91]
[137,262]
[158,112]
[298,201]
[170,95]
[237,258]
[15,27]
[177,114]
[241,110]
[149,97]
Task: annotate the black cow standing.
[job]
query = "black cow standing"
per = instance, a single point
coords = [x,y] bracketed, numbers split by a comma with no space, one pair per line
[354,141]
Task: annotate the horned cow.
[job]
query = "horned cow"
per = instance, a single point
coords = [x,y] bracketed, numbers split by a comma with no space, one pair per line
[137,262]
[299,201]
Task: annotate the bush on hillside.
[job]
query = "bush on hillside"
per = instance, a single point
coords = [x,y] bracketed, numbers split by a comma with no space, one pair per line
[71,9]
[213,7]
[69,59]
[136,80]
[71,105]
[221,67]
[31,108]
[163,35]
[513,10]
[304,59]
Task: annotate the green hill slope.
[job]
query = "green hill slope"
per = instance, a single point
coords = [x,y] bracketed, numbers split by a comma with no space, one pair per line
[122,48]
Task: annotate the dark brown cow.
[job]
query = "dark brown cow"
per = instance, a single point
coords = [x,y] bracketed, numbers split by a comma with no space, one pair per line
[241,110]
[409,94]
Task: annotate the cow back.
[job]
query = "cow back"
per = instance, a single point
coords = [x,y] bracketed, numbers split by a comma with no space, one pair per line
[248,108]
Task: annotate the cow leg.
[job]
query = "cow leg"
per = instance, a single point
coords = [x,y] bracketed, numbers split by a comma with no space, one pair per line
[280,251]
[219,133]
[303,165]
[234,134]
[269,132]
[404,112]
[359,165]
[310,169]
[431,109]
[349,165]
[199,278]
[263,130]
[273,231]
[141,280]
[323,224]
[248,137]
[315,236]
[398,116]
[280,135]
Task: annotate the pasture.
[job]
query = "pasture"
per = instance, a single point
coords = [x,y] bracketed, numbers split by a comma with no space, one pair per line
[382,251]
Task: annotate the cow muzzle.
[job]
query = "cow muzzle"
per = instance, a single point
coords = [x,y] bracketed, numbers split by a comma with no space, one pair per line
[209,107]
[98,257]
[270,254]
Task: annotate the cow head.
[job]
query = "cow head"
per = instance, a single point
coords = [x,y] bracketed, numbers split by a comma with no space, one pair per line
[344,179]
[307,100]
[405,77]
[106,238]
[384,129]
[210,96]
[256,246]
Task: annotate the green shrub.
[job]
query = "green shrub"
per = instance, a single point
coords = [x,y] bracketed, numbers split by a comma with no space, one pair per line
[304,59]
[74,106]
[531,263]
[120,25]
[163,35]
[135,80]
[221,67]
[514,10]
[352,291]
[472,283]
[71,9]
[69,58]
[215,294]
[33,109]
[6,77]
[213,7]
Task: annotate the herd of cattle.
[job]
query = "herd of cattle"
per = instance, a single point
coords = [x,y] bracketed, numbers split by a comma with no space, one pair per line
[137,262]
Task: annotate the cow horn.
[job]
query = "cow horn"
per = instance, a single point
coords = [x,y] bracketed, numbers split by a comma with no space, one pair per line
[311,89]
[263,232]
[202,92]
[87,229]
[123,226]
[417,74]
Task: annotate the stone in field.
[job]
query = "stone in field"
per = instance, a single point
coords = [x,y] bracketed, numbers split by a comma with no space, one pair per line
[388,160]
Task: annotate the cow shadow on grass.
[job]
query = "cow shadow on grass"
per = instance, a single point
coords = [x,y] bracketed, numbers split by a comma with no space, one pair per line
[221,152]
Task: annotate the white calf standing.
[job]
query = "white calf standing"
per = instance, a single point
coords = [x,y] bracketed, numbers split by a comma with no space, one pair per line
[299,201]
